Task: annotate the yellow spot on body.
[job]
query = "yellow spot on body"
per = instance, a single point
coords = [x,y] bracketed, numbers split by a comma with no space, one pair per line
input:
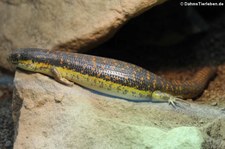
[154,84]
[107,77]
[180,88]
[167,86]
[99,74]
[172,87]
[162,83]
[177,88]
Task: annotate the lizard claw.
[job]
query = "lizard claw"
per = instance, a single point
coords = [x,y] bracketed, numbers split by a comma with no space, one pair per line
[158,95]
[172,101]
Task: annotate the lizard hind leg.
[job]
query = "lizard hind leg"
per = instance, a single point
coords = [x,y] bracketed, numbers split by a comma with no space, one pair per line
[161,96]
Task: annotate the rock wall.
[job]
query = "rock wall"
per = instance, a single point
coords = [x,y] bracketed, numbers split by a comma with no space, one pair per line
[74,25]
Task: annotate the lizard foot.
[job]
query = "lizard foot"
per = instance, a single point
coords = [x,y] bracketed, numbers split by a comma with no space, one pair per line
[57,75]
[161,96]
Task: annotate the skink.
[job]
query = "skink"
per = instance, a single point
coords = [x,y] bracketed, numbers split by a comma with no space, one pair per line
[109,76]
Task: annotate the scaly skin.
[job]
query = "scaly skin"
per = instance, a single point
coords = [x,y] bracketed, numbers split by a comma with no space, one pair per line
[109,76]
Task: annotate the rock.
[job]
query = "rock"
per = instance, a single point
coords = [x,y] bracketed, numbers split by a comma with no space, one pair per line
[63,24]
[173,139]
[48,114]
[6,122]
[214,103]
[214,135]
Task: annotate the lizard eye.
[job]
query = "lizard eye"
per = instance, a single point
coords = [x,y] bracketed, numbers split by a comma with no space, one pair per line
[14,58]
